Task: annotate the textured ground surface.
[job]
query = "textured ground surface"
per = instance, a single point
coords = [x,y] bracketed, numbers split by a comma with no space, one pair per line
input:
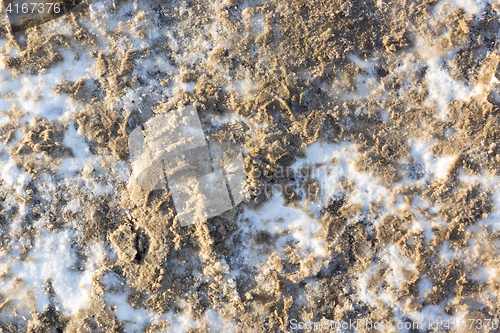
[378,120]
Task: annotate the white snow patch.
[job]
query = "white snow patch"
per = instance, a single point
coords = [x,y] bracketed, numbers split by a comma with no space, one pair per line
[446,253]
[494,218]
[398,265]
[50,258]
[443,166]
[437,166]
[74,140]
[134,318]
[218,324]
[484,274]
[424,287]
[336,162]
[303,229]
[472,7]
[10,172]
[368,296]
[180,323]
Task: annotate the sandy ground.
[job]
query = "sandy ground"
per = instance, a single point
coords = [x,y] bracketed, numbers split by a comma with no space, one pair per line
[370,133]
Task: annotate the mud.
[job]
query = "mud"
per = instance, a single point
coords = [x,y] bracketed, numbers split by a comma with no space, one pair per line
[310,83]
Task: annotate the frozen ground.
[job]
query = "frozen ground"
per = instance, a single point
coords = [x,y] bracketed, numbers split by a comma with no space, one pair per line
[371,139]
